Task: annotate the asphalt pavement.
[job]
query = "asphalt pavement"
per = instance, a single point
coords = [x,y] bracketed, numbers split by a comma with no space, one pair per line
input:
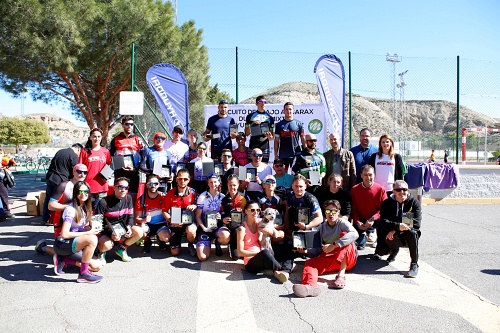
[456,290]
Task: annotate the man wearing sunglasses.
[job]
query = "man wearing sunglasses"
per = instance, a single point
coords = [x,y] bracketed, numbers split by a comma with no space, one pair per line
[310,160]
[289,136]
[255,123]
[156,154]
[218,131]
[127,143]
[60,171]
[399,226]
[253,188]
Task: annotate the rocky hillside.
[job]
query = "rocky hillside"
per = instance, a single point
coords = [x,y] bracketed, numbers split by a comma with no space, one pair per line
[423,118]
[65,130]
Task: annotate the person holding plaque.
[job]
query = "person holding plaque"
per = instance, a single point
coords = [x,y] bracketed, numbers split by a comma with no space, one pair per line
[149,214]
[95,157]
[399,226]
[310,163]
[77,234]
[232,207]
[218,131]
[210,202]
[184,197]
[337,252]
[253,186]
[259,125]
[289,137]
[119,227]
[129,145]
[199,178]
[255,258]
[157,160]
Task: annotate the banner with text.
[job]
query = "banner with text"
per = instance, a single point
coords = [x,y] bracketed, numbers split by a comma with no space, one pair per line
[331,86]
[170,88]
[311,115]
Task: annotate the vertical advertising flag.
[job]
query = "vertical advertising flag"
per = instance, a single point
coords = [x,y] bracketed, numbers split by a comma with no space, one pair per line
[169,86]
[331,86]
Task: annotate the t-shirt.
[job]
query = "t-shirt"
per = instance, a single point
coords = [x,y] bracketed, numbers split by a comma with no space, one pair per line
[61,166]
[289,132]
[69,216]
[206,202]
[362,157]
[285,181]
[259,141]
[177,151]
[116,210]
[251,241]
[384,171]
[152,206]
[229,204]
[308,201]
[241,158]
[262,171]
[198,167]
[152,155]
[62,194]
[219,125]
[95,161]
[173,199]
[306,161]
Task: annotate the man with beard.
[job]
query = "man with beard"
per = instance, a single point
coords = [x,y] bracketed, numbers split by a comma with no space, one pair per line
[289,137]
[254,124]
[310,160]
[363,152]
[218,131]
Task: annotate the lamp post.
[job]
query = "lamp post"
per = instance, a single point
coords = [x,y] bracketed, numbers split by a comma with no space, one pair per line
[393,59]
[403,138]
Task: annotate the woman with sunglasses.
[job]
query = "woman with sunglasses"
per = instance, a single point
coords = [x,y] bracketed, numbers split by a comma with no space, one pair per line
[388,165]
[95,157]
[255,258]
[337,253]
[77,235]
[199,180]
[210,201]
[234,201]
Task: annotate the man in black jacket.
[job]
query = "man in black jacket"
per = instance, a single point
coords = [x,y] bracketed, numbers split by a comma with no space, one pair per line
[399,226]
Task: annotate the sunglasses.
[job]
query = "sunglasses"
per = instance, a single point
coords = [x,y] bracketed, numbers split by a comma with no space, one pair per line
[160,138]
[182,179]
[153,183]
[262,101]
[128,124]
[200,148]
[278,165]
[253,210]
[122,187]
[331,211]
[269,182]
[81,172]
[228,156]
[83,192]
[400,190]
[257,155]
[313,140]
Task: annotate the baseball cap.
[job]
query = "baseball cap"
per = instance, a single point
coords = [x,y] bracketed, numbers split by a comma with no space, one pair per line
[278,160]
[240,134]
[159,134]
[223,101]
[212,175]
[269,177]
[80,166]
[178,129]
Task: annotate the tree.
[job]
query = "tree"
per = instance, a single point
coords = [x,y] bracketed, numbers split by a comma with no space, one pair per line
[80,51]
[23,131]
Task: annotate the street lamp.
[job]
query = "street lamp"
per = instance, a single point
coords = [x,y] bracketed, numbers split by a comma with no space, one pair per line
[403,138]
[393,58]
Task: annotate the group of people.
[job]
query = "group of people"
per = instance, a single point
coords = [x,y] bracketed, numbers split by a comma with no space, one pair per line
[338,198]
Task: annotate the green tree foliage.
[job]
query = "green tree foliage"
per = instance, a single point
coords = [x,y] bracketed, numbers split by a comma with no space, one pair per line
[80,51]
[23,131]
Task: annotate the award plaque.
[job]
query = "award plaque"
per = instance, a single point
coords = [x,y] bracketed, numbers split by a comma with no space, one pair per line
[208,168]
[187,216]
[166,171]
[255,130]
[408,219]
[211,219]
[142,177]
[303,215]
[299,240]
[236,219]
[314,177]
[264,128]
[233,129]
[176,215]
[242,173]
[219,169]
[181,165]
[117,229]
[251,174]
[96,221]
[306,239]
[128,161]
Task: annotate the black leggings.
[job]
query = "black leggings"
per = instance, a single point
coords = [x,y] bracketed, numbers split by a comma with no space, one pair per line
[262,260]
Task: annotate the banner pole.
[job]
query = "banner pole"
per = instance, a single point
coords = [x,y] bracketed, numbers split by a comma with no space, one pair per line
[237,100]
[350,103]
[458,108]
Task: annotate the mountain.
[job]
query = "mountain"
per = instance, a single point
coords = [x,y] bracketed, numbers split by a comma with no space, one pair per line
[421,117]
[67,132]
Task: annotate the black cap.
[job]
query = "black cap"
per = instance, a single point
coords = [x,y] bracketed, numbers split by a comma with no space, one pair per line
[178,129]
[223,101]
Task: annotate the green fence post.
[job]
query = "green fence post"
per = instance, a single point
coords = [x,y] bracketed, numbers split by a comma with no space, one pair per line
[458,109]
[350,103]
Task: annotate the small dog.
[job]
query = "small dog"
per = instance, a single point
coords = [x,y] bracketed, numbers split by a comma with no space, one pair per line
[269,215]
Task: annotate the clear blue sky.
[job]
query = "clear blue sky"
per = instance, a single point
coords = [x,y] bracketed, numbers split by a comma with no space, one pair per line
[427,29]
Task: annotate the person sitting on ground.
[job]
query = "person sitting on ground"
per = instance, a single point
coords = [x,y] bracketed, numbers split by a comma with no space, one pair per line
[400,219]
[255,258]
[78,234]
[118,208]
[210,201]
[338,252]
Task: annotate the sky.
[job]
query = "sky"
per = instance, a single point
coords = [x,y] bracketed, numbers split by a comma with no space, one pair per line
[421,29]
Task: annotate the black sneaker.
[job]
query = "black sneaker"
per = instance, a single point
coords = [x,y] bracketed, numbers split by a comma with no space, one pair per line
[413,272]
[392,255]
[361,247]
[8,215]
[40,245]
[192,250]
[147,245]
[218,249]
[163,245]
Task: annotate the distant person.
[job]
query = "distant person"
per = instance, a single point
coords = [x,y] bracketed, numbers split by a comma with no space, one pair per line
[432,158]
[498,160]
[445,159]
[340,161]
[254,121]
[60,170]
[192,138]
[218,131]
[289,136]
[4,190]
[241,154]
[363,152]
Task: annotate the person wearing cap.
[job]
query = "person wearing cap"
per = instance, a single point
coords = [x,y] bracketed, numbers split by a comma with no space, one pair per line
[191,154]
[60,170]
[176,147]
[283,179]
[127,143]
[340,161]
[218,131]
[268,198]
[61,197]
[253,188]
[310,160]
[289,136]
[241,154]
[156,154]
[260,139]
[210,201]
[200,180]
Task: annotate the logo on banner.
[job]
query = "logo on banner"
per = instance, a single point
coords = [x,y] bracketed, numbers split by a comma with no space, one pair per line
[315,126]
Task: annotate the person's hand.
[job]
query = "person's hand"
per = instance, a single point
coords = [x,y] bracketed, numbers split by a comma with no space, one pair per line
[327,248]
[226,220]
[301,225]
[169,179]
[115,238]
[129,232]
[148,218]
[269,135]
[390,235]
[128,168]
[301,250]
[403,227]
[279,227]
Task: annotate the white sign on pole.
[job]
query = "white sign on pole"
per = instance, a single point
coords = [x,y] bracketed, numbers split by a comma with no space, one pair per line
[131,102]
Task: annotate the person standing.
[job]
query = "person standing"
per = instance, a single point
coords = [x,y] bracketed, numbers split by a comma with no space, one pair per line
[241,154]
[289,137]
[260,138]
[4,191]
[60,170]
[218,131]
[176,147]
[127,143]
[388,165]
[340,161]
[157,154]
[445,159]
[192,138]
[310,160]
[432,158]
[363,152]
